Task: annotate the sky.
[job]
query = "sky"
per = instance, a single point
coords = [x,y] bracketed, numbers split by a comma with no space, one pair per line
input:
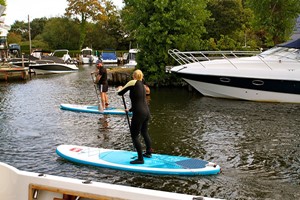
[20,9]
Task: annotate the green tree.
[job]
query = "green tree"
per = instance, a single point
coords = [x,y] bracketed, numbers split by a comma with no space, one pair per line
[226,17]
[106,33]
[20,28]
[229,24]
[274,19]
[3,3]
[84,10]
[160,25]
[61,33]
[37,26]
[13,37]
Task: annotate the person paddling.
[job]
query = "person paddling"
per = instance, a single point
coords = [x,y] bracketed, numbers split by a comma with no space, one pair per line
[140,115]
[101,80]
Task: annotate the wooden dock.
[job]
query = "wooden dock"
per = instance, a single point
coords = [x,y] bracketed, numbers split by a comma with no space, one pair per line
[7,72]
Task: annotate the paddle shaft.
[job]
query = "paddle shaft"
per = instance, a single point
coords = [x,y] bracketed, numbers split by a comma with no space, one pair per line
[126,110]
[99,102]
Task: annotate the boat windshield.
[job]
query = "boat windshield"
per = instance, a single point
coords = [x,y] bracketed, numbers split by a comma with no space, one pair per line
[290,53]
[86,52]
[131,56]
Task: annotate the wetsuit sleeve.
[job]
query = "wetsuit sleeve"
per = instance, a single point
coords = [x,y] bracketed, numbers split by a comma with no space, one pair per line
[126,87]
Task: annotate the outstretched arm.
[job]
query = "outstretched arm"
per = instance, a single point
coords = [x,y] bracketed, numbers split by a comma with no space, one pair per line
[123,90]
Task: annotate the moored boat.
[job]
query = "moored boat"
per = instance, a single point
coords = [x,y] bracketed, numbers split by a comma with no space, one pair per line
[22,185]
[51,63]
[271,76]
[131,59]
[52,67]
[64,55]
[109,58]
[87,56]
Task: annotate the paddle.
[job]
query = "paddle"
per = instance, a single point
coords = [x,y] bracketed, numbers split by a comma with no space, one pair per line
[99,102]
[126,110]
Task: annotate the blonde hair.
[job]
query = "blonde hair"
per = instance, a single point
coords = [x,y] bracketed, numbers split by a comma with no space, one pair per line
[138,75]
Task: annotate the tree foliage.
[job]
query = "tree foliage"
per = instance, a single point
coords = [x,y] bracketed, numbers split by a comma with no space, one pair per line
[20,28]
[274,19]
[13,37]
[83,11]
[226,17]
[107,33]
[3,2]
[163,24]
[37,26]
[62,33]
[229,25]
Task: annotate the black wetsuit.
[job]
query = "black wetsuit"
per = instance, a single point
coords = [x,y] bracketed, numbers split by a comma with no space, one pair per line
[141,115]
[103,84]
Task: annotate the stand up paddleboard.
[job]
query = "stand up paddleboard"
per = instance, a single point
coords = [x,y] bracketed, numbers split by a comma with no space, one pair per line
[119,160]
[93,109]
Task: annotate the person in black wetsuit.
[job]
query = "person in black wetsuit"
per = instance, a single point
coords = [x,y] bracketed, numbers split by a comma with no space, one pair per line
[140,117]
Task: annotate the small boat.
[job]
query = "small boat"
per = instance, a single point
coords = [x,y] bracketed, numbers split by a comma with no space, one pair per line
[64,55]
[51,67]
[26,60]
[20,62]
[87,56]
[270,76]
[22,185]
[131,59]
[43,62]
[109,58]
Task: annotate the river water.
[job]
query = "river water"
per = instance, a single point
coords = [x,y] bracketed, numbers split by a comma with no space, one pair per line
[256,144]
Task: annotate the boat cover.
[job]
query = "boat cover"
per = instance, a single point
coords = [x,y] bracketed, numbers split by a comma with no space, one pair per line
[291,44]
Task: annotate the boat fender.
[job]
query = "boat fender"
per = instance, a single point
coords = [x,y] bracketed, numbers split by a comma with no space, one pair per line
[198,198]
[41,174]
[87,182]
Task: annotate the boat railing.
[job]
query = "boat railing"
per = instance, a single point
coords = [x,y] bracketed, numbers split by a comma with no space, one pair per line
[198,56]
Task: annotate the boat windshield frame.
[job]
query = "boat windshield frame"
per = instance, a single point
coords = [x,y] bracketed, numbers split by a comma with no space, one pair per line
[282,52]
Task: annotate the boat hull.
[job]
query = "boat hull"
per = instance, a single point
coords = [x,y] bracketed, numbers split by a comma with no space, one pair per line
[250,94]
[53,68]
[272,76]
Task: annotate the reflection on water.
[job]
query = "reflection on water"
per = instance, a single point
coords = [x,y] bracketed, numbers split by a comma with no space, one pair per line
[256,144]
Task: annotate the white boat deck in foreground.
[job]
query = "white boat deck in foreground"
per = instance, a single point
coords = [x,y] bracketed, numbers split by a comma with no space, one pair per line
[22,185]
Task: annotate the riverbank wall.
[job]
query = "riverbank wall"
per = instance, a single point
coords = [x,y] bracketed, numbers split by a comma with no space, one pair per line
[119,76]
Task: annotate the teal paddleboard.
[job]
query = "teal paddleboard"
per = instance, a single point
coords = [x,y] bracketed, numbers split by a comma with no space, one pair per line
[93,109]
[120,160]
